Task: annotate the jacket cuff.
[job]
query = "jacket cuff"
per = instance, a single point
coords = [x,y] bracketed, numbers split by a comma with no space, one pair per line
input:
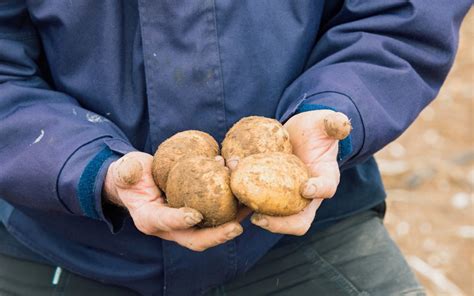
[82,178]
[339,102]
[89,185]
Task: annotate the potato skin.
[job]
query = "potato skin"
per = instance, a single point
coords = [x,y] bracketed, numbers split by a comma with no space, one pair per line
[255,134]
[202,183]
[187,143]
[269,183]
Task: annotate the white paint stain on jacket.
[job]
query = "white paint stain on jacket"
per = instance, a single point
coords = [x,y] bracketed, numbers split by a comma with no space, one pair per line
[39,138]
[94,118]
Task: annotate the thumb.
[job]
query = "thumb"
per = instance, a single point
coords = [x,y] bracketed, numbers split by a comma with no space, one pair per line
[128,171]
[337,125]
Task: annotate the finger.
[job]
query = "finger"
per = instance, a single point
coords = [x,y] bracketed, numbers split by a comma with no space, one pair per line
[297,224]
[220,159]
[153,218]
[319,187]
[128,171]
[232,162]
[202,239]
[337,125]
[325,179]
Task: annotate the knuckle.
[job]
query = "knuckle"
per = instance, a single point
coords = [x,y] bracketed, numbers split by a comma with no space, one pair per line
[144,228]
[302,228]
[277,227]
[301,231]
[331,191]
[329,188]
[198,248]
[220,240]
[165,224]
[161,221]
[193,246]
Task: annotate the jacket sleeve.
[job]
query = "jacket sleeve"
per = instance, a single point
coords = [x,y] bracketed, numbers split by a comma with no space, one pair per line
[53,152]
[380,63]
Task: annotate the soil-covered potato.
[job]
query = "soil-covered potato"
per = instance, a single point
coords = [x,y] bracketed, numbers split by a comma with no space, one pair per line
[255,134]
[187,143]
[269,183]
[202,183]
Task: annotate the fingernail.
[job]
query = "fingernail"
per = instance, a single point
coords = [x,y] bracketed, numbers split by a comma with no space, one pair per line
[220,159]
[259,220]
[236,231]
[232,163]
[309,190]
[192,218]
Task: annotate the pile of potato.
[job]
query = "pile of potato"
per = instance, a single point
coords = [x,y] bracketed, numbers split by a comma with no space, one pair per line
[267,177]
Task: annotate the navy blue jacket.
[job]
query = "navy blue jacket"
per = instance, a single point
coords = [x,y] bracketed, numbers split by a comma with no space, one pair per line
[83,82]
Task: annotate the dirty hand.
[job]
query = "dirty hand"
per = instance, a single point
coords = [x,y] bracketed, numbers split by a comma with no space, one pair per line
[129,184]
[314,136]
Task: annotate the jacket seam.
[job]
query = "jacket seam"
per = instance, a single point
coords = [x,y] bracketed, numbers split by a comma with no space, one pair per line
[148,70]
[221,74]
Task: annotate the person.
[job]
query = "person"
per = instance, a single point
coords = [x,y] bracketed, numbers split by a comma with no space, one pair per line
[86,83]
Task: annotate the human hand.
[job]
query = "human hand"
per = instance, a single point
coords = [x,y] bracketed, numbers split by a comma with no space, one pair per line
[129,184]
[314,136]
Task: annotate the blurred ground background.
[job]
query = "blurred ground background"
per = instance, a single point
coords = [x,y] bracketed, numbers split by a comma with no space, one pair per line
[429,176]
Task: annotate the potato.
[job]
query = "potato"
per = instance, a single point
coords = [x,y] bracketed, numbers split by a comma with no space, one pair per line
[187,143]
[255,134]
[269,183]
[202,183]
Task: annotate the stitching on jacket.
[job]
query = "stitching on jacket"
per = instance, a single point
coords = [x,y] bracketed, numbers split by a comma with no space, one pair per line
[221,74]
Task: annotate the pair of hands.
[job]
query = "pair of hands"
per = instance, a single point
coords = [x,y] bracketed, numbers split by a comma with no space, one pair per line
[312,143]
